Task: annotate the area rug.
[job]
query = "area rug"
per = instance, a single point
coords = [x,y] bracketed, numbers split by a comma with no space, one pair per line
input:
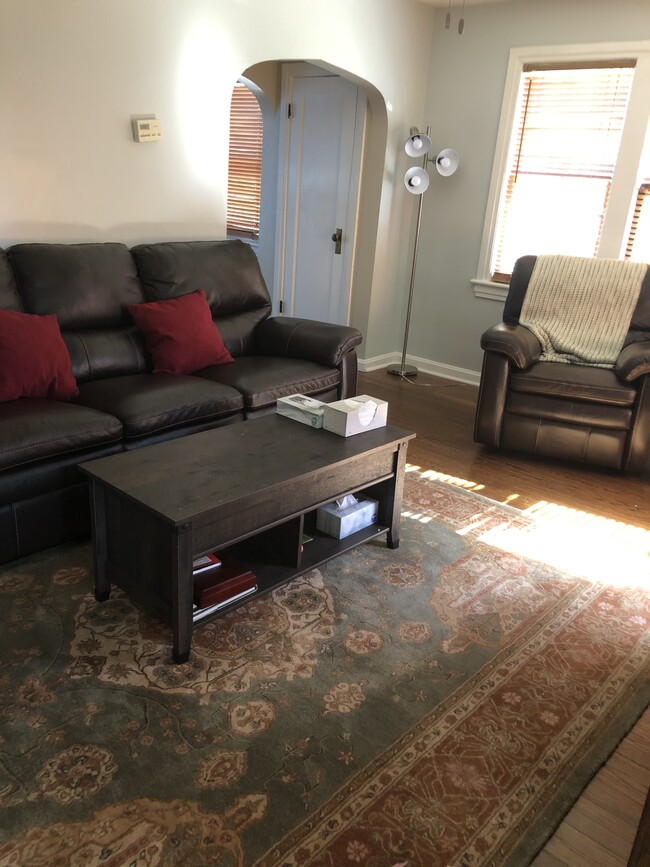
[440,704]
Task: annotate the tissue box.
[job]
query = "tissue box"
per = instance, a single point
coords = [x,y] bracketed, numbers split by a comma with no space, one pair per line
[355,415]
[341,522]
[301,408]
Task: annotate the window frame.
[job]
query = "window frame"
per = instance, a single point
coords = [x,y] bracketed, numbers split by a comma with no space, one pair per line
[622,198]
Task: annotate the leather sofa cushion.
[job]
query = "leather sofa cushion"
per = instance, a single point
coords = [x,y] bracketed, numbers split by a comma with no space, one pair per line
[47,519]
[576,412]
[238,331]
[34,429]
[573,381]
[86,285]
[519,279]
[149,403]
[227,271]
[9,298]
[51,475]
[262,379]
[103,352]
[556,439]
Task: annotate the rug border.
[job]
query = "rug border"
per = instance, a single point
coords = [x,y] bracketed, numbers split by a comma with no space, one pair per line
[597,757]
[532,844]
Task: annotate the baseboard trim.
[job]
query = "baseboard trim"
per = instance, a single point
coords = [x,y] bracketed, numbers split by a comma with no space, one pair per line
[435,368]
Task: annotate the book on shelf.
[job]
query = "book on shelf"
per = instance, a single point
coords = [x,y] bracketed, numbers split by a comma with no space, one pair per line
[199,613]
[205,562]
[219,585]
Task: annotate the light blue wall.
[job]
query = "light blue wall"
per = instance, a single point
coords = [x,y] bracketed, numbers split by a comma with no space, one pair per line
[464,93]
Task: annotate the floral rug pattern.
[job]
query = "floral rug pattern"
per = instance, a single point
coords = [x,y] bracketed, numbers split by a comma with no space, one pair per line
[440,704]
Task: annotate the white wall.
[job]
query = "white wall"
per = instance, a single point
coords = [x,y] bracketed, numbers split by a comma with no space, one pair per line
[465,88]
[74,72]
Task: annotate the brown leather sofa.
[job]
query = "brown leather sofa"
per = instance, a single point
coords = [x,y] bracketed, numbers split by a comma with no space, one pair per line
[586,414]
[122,404]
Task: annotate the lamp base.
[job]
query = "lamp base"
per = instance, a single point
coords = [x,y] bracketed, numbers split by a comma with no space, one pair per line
[405,370]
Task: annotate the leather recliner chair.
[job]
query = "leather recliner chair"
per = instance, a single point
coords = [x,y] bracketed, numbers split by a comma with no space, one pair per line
[571,411]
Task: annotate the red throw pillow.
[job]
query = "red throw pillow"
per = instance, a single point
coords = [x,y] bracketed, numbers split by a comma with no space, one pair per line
[34,360]
[180,334]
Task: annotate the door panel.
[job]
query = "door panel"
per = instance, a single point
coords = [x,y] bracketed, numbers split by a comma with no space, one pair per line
[321,191]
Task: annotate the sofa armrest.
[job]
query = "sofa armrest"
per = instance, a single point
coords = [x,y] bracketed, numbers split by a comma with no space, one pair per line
[517,342]
[633,361]
[321,342]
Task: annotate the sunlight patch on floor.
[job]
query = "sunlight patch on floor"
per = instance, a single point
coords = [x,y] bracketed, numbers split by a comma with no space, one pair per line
[445,477]
[581,543]
[417,516]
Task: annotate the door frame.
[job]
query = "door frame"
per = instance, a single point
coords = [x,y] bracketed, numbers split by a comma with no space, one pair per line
[291,72]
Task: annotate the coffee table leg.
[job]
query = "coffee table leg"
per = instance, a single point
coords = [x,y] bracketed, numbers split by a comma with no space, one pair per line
[182,593]
[98,513]
[395,503]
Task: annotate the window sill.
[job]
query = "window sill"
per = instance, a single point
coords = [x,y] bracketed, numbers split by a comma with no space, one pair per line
[488,289]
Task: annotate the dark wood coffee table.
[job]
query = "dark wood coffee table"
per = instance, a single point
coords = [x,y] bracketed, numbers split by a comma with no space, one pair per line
[251,487]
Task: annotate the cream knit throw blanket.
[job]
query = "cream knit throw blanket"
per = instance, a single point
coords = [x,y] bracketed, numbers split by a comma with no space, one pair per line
[580,309]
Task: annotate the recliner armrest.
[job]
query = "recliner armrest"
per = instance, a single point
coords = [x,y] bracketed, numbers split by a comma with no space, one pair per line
[633,361]
[321,342]
[517,342]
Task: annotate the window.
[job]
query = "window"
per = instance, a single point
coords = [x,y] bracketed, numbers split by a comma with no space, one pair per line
[244,163]
[638,243]
[567,175]
[565,142]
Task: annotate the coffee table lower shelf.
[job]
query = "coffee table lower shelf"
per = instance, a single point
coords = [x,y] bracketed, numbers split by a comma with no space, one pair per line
[320,550]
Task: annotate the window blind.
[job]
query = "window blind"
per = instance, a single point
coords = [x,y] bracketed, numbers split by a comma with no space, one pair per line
[565,141]
[638,243]
[244,163]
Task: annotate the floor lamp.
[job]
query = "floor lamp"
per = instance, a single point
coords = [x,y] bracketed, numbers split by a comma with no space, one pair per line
[416,181]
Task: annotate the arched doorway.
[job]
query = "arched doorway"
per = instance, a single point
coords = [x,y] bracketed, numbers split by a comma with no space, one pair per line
[359,241]
[319,171]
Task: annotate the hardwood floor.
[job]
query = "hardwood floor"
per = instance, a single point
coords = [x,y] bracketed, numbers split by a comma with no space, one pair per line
[600,830]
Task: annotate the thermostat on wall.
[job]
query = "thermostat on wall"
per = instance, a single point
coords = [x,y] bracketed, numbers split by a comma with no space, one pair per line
[147,129]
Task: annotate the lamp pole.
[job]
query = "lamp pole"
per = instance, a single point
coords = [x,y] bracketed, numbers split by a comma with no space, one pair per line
[404,369]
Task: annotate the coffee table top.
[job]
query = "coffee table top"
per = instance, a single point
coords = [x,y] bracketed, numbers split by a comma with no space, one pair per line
[183,477]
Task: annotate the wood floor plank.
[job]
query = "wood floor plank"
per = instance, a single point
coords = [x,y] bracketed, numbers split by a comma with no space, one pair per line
[578,850]
[626,776]
[599,823]
[640,854]
[606,792]
[545,859]
[441,412]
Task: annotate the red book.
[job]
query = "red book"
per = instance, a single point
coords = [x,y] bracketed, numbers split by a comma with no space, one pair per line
[206,561]
[221,584]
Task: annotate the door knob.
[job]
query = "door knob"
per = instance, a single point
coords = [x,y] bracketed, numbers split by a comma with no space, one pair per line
[337,237]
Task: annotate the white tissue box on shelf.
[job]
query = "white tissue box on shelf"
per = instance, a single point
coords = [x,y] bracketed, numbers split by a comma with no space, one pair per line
[301,408]
[346,516]
[355,415]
